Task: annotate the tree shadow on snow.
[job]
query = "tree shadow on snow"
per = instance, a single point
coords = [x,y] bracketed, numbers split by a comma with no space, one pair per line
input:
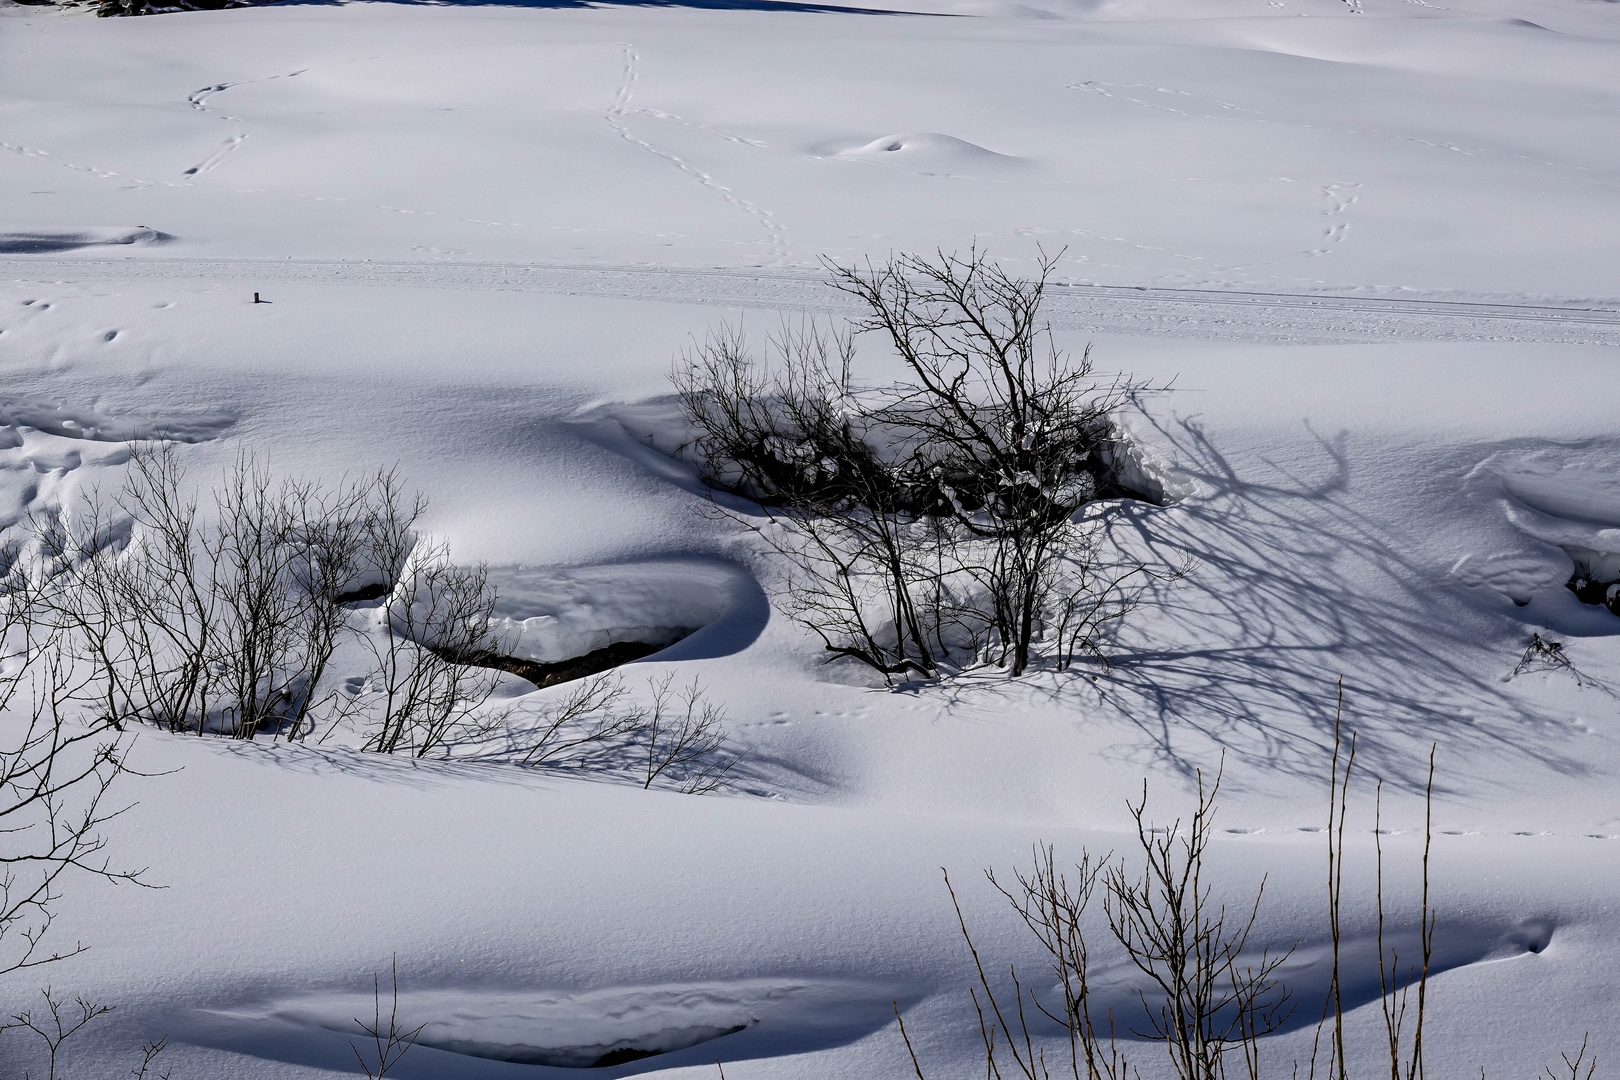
[1294,588]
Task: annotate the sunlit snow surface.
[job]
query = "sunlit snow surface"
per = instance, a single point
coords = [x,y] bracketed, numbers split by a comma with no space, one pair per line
[1372,245]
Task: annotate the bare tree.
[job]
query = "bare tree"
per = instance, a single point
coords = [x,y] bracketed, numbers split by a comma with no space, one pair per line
[936,516]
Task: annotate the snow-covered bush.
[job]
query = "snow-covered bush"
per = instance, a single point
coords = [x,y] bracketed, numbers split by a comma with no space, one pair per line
[282,606]
[935,521]
[226,618]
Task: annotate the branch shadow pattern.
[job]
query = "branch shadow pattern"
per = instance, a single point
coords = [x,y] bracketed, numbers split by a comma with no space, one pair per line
[1295,587]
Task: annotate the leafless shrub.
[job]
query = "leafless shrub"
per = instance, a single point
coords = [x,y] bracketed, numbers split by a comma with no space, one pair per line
[57,1022]
[1396,982]
[228,621]
[1209,1002]
[683,737]
[434,628]
[1051,908]
[1544,654]
[222,622]
[1212,997]
[931,522]
[798,440]
[390,1041]
[1215,1000]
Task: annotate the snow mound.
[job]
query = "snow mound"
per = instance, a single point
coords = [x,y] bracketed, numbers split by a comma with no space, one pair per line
[927,151]
[50,241]
[550,615]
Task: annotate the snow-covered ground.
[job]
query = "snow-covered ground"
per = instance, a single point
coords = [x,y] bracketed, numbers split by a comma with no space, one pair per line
[1373,244]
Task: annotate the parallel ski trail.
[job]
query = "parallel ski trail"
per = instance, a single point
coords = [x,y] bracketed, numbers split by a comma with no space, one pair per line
[1209,313]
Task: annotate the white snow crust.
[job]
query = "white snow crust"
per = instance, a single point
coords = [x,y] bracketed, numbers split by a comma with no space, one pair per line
[1372,243]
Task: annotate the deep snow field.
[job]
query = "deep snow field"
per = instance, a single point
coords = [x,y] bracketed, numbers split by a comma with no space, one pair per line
[1375,244]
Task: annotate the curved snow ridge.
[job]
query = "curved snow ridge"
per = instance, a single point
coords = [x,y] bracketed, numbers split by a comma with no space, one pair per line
[564,1028]
[1306,974]
[1560,501]
[51,241]
[550,614]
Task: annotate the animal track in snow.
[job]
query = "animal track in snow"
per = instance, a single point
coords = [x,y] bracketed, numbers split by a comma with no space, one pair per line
[619,110]
[212,161]
[198,98]
[1339,202]
[105,174]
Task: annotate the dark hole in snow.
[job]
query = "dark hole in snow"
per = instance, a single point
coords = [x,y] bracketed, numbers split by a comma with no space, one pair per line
[578,667]
[620,1057]
[375,591]
[1590,590]
[1596,578]
[597,1056]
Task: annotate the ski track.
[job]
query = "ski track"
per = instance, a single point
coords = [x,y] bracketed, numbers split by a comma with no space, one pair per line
[775,232]
[1277,317]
